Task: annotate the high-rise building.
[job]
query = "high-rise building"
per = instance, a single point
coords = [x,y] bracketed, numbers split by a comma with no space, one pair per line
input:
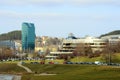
[28,36]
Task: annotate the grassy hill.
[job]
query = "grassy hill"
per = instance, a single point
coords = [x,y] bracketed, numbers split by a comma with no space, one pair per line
[13,35]
[116,32]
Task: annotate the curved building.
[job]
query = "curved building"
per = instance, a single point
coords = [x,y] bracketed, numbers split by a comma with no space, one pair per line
[28,36]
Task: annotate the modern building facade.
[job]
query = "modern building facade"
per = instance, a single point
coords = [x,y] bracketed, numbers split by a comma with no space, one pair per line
[28,36]
[71,42]
[96,44]
[112,39]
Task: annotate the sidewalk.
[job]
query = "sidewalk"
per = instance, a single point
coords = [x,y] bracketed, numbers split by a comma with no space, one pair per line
[26,68]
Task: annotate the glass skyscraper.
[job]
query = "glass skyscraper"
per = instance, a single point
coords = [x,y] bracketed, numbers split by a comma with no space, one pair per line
[28,36]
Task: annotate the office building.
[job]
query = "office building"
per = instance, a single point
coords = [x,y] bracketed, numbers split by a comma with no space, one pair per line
[71,42]
[96,44]
[28,37]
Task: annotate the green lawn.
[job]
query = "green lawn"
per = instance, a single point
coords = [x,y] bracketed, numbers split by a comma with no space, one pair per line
[10,68]
[64,72]
[73,72]
[115,58]
[86,59]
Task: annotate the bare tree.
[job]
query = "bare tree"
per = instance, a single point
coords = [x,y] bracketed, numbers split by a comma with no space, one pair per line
[83,50]
[108,52]
[79,50]
[6,53]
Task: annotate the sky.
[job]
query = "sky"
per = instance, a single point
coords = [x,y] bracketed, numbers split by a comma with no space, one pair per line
[58,18]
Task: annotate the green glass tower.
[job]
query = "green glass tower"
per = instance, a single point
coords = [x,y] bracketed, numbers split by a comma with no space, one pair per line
[28,36]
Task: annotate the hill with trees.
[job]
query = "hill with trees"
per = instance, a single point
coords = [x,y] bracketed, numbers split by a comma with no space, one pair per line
[13,35]
[116,32]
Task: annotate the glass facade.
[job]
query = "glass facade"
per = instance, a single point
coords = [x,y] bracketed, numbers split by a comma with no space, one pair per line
[28,36]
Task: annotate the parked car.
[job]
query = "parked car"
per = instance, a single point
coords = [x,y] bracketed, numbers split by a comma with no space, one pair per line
[34,62]
[22,62]
[67,62]
[51,62]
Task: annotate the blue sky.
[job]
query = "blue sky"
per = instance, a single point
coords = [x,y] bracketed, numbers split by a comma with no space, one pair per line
[61,17]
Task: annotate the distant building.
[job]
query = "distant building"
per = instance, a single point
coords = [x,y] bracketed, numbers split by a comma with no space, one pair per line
[71,42]
[96,44]
[8,44]
[28,36]
[112,39]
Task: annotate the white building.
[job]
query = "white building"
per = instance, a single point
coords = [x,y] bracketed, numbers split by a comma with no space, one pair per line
[96,44]
[112,39]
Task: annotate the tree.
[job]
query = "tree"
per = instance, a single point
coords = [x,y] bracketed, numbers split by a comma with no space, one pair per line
[66,57]
[116,47]
[6,53]
[13,35]
[47,51]
[35,55]
[108,51]
[79,50]
[116,32]
[83,50]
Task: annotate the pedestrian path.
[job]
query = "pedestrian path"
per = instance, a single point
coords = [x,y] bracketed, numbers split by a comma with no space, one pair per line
[26,68]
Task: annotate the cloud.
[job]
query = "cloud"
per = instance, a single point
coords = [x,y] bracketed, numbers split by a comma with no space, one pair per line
[12,15]
[30,2]
[57,2]
[58,16]
[91,2]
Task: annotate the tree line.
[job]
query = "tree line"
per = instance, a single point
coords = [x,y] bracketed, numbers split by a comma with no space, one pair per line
[116,32]
[13,35]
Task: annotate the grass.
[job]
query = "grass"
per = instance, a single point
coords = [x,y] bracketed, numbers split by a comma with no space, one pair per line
[73,72]
[64,72]
[115,58]
[86,59]
[10,68]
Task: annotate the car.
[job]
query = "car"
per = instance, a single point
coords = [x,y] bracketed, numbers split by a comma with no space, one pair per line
[56,62]
[22,62]
[34,63]
[98,63]
[113,64]
[67,62]
[51,62]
